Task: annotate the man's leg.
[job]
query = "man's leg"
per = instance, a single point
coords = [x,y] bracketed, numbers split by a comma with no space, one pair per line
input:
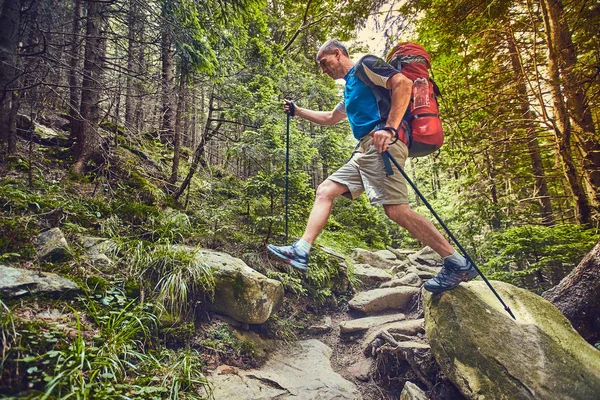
[297,254]
[420,227]
[456,268]
[327,192]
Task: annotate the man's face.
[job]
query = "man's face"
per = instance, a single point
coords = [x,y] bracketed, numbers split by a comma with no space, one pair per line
[330,64]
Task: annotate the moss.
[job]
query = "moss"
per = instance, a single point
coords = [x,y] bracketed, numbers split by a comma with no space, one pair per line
[178,335]
[97,284]
[16,238]
[132,288]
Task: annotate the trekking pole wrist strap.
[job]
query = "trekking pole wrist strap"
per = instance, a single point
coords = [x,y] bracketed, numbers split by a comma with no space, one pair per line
[392,130]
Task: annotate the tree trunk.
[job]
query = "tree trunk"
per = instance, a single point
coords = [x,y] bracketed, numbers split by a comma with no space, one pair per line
[89,142]
[167,77]
[540,189]
[74,89]
[199,151]
[9,31]
[562,129]
[133,20]
[576,296]
[178,134]
[559,36]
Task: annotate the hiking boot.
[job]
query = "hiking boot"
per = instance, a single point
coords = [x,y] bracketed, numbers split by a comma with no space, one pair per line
[450,277]
[291,254]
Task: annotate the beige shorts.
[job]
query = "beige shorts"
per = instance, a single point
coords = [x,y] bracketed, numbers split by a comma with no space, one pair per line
[365,172]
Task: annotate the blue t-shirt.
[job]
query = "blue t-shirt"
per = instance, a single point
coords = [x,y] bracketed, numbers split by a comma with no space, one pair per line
[360,104]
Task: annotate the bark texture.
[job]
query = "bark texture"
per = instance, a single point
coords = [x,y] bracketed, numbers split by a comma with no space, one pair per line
[576,296]
[89,142]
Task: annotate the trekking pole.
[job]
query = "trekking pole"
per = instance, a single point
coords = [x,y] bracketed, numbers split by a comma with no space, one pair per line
[287,164]
[448,232]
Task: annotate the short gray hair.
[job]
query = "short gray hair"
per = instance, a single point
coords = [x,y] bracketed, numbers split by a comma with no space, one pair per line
[329,47]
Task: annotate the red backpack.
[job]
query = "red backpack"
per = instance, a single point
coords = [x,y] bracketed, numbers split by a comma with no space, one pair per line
[423,114]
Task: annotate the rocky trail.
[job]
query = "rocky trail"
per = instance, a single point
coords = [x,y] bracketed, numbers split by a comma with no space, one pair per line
[383,325]
[394,341]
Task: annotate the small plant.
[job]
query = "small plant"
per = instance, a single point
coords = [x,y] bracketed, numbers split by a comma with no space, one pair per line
[179,277]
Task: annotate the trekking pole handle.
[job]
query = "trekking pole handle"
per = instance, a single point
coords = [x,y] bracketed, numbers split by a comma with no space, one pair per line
[291,106]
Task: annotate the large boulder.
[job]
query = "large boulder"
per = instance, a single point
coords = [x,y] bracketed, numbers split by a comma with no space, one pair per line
[241,292]
[488,355]
[300,370]
[15,282]
[52,246]
[396,298]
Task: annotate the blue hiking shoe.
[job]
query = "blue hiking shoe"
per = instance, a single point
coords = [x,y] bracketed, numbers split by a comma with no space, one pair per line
[450,277]
[291,254]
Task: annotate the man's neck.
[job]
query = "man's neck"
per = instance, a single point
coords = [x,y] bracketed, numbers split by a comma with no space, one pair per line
[348,66]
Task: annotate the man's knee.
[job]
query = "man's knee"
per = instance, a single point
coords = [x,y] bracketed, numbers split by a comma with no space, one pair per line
[397,211]
[330,190]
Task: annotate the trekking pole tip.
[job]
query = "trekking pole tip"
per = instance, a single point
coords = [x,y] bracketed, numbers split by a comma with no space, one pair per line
[510,312]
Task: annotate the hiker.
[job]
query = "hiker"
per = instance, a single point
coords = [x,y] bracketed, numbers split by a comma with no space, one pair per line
[377,128]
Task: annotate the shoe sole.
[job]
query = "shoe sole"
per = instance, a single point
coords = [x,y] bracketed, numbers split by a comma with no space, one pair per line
[288,260]
[471,275]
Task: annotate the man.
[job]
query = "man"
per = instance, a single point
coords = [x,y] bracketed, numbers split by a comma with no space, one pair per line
[377,129]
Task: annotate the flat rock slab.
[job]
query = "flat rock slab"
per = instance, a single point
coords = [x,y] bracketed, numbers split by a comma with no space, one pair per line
[386,255]
[15,282]
[299,371]
[383,299]
[410,279]
[369,275]
[362,256]
[362,324]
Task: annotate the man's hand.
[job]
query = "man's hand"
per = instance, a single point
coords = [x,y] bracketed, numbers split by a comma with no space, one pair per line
[289,107]
[382,139]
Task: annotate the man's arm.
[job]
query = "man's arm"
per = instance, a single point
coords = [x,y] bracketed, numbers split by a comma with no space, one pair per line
[318,117]
[401,90]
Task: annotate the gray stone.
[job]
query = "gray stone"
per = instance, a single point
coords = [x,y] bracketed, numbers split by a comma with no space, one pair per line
[401,267]
[370,276]
[361,256]
[323,327]
[362,324]
[421,273]
[300,371]
[97,245]
[99,250]
[426,256]
[15,282]
[386,255]
[410,391]
[537,356]
[52,246]
[383,299]
[362,369]
[241,292]
[410,279]
[400,254]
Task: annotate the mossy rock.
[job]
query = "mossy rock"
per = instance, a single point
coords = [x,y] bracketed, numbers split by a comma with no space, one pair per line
[488,355]
[241,292]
